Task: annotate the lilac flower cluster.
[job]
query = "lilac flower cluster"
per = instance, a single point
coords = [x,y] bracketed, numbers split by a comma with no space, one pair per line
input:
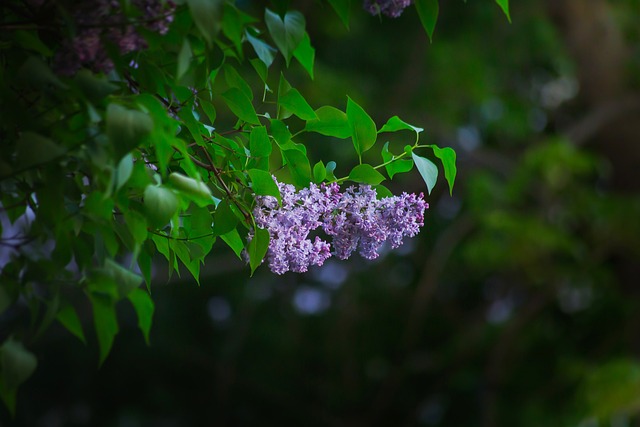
[103,21]
[391,8]
[355,220]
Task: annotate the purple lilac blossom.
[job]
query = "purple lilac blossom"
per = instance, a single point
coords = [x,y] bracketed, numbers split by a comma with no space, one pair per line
[103,21]
[391,8]
[355,220]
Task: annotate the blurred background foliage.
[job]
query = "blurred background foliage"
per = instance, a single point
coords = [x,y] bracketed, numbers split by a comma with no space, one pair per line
[519,303]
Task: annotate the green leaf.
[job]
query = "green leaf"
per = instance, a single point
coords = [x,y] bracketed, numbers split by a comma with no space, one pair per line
[184,59]
[8,396]
[160,205]
[144,262]
[209,110]
[144,308]
[263,184]
[39,75]
[293,101]
[258,248]
[319,172]
[265,52]
[234,79]
[305,54]
[287,33]
[382,191]
[260,68]
[199,224]
[395,124]
[97,205]
[504,5]
[397,166]
[206,16]
[343,9]
[259,142]
[195,128]
[299,167]
[34,149]
[330,122]
[196,191]
[124,170]
[427,169]
[224,220]
[448,157]
[366,174]
[18,363]
[93,87]
[428,13]
[280,132]
[137,225]
[126,128]
[241,105]
[30,41]
[125,279]
[105,322]
[233,24]
[363,128]
[233,239]
[70,320]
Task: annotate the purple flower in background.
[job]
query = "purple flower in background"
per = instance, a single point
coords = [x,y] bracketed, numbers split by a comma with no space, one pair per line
[103,21]
[391,8]
[354,220]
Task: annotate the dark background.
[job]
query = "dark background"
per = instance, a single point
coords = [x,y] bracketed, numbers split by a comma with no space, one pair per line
[517,305]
